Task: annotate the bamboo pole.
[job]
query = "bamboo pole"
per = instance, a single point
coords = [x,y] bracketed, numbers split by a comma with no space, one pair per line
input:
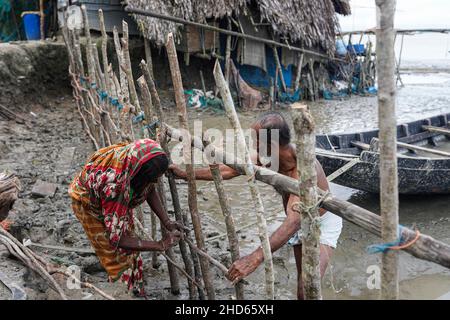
[249,171]
[229,221]
[148,109]
[148,56]
[228,54]
[41,19]
[418,148]
[124,119]
[310,223]
[279,68]
[173,276]
[188,156]
[299,72]
[388,149]
[127,67]
[180,215]
[425,248]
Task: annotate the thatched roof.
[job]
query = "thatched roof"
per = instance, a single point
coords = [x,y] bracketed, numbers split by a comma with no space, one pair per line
[311,24]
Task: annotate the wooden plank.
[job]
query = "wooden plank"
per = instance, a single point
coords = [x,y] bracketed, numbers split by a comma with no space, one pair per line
[445,131]
[360,145]
[418,148]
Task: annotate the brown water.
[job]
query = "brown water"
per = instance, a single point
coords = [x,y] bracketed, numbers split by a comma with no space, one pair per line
[346,277]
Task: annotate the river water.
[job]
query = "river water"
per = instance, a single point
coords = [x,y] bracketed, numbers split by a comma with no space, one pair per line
[347,277]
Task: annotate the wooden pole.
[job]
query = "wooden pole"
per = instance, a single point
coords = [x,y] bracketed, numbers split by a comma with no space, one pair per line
[299,72]
[188,157]
[227,32]
[249,171]
[425,248]
[228,55]
[127,66]
[148,109]
[229,221]
[148,56]
[388,149]
[306,169]
[180,214]
[279,68]
[42,19]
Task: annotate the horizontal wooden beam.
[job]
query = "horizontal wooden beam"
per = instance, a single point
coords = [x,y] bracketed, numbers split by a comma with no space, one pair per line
[269,42]
[418,148]
[445,131]
[425,248]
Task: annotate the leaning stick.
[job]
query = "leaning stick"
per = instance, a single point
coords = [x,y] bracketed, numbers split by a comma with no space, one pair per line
[148,110]
[192,188]
[299,73]
[229,221]
[34,264]
[306,170]
[180,215]
[250,172]
[279,68]
[127,66]
[213,261]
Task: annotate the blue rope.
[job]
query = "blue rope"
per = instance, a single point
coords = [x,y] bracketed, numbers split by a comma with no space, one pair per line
[383,247]
[102,94]
[139,117]
[151,125]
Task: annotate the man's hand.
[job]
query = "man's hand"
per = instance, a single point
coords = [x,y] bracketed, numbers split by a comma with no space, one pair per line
[170,240]
[243,267]
[174,225]
[177,172]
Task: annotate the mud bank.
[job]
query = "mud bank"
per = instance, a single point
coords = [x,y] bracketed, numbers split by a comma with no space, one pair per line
[29,71]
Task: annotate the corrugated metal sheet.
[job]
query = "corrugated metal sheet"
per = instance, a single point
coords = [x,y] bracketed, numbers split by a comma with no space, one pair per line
[113,13]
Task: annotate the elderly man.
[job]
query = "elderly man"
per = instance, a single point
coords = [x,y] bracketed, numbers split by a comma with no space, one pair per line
[289,230]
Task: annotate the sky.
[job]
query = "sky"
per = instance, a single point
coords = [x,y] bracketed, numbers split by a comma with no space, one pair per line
[410,14]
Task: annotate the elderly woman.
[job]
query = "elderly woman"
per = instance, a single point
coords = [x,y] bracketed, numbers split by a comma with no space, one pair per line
[115,180]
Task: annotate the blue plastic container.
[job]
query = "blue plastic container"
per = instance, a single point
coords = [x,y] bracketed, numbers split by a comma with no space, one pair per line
[31,23]
[356,48]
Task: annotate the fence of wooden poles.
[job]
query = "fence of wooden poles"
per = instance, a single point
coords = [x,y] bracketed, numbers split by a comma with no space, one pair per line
[111,111]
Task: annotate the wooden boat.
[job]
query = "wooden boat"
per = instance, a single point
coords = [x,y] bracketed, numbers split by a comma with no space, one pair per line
[352,159]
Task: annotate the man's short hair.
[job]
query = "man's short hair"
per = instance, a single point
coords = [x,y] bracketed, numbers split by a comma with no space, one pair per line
[275,120]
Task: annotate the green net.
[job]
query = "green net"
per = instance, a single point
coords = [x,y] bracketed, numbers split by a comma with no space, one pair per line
[11,27]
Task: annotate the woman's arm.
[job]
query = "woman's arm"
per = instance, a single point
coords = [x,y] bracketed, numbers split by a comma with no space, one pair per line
[133,243]
[204,173]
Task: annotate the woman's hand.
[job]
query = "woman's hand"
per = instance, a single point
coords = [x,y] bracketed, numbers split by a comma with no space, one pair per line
[170,240]
[177,172]
[243,267]
[174,225]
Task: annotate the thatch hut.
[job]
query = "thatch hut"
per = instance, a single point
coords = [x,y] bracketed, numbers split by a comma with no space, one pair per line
[306,24]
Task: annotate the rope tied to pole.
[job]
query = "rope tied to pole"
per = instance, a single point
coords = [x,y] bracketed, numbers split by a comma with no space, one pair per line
[300,207]
[394,245]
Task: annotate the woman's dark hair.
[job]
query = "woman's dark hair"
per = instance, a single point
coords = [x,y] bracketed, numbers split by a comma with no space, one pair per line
[275,120]
[149,172]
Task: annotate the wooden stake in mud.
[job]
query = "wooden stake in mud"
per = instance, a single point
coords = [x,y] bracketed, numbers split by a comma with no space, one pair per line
[148,109]
[188,157]
[229,222]
[228,55]
[249,171]
[306,169]
[148,56]
[388,148]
